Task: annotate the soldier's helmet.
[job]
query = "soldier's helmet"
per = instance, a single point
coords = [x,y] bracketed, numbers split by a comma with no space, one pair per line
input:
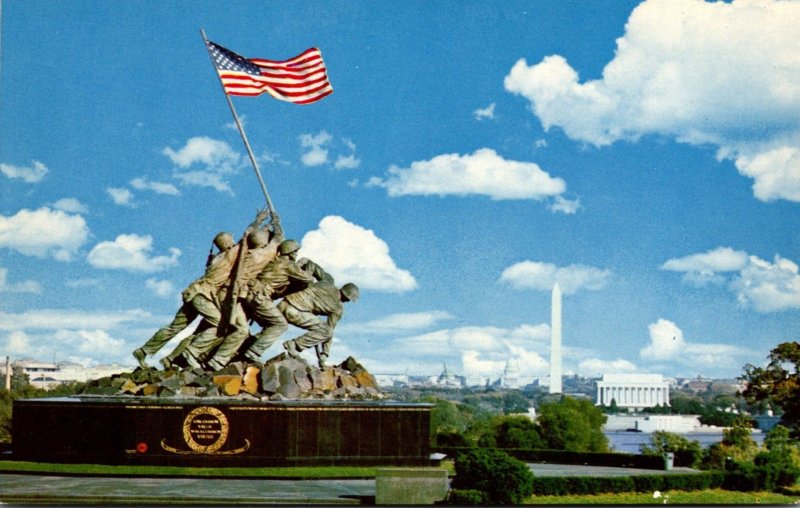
[350,291]
[223,240]
[258,239]
[288,246]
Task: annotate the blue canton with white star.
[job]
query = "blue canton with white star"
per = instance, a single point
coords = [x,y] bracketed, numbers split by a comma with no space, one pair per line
[227,60]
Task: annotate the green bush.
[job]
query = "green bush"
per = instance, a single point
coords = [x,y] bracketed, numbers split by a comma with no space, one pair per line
[777,469]
[564,457]
[504,479]
[743,477]
[511,432]
[703,481]
[466,497]
[583,485]
[452,439]
[648,483]
[572,424]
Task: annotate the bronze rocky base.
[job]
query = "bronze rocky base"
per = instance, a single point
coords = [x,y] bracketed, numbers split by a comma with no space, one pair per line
[280,378]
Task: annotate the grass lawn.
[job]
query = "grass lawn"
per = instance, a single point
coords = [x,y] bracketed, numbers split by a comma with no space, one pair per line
[715,496]
[169,471]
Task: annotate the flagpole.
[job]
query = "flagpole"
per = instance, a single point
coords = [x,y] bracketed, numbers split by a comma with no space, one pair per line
[241,130]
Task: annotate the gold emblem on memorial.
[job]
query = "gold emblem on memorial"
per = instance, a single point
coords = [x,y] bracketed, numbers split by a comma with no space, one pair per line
[205,430]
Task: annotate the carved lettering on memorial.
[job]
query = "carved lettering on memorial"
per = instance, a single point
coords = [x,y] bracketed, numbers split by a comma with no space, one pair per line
[205,431]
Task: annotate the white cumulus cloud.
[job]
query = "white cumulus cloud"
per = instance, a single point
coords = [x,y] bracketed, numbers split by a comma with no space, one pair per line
[594,367]
[32,174]
[565,206]
[719,73]
[667,343]
[352,253]
[316,148]
[767,287]
[204,162]
[131,253]
[161,288]
[348,161]
[543,276]
[121,196]
[97,343]
[142,183]
[70,205]
[54,319]
[481,173]
[394,323]
[44,232]
[474,350]
[484,113]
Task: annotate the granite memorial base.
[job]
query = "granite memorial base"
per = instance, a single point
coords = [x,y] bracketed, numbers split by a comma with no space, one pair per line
[220,432]
[410,486]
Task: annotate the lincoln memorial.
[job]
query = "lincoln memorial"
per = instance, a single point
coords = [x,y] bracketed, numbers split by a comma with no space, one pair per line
[633,390]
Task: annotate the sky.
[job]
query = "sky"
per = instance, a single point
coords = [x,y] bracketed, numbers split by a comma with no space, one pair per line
[645,156]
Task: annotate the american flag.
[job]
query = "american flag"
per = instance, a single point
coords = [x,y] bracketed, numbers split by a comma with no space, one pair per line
[301,80]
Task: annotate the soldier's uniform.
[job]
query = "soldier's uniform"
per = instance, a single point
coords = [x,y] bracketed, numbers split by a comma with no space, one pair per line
[221,350]
[302,308]
[199,299]
[281,276]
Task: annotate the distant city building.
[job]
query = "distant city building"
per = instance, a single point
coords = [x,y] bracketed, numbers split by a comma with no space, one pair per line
[633,391]
[512,376]
[729,386]
[448,379]
[698,384]
[477,380]
[47,375]
[392,379]
[678,424]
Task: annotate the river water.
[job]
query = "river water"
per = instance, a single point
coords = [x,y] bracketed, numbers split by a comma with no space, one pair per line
[629,442]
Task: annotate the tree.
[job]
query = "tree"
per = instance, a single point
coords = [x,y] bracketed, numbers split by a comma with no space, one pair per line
[573,424]
[778,383]
[20,381]
[503,479]
[662,442]
[737,445]
[515,402]
[512,432]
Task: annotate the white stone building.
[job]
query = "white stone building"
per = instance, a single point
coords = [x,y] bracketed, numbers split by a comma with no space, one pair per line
[49,374]
[677,424]
[634,391]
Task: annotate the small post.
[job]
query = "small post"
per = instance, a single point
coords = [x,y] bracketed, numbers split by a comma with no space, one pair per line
[8,373]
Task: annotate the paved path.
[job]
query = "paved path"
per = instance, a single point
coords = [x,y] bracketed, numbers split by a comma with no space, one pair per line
[574,470]
[94,490]
[34,489]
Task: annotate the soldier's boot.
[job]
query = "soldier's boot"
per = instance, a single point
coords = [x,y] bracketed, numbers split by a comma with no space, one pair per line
[140,355]
[292,349]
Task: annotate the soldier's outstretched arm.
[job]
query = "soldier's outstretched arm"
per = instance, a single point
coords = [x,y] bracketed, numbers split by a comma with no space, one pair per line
[261,216]
[315,270]
[277,229]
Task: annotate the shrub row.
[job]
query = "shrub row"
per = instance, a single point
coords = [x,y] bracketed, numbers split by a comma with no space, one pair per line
[563,485]
[746,476]
[579,458]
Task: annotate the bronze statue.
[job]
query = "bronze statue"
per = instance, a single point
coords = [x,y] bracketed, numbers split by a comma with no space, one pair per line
[201,297]
[302,308]
[241,285]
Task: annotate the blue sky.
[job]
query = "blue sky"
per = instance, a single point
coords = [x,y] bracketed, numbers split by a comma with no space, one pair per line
[645,156]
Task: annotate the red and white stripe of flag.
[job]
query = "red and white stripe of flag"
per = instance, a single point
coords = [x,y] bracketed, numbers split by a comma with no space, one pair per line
[300,80]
